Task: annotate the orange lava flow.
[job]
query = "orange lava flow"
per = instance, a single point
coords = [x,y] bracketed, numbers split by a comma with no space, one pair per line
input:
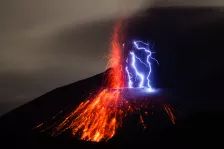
[95,120]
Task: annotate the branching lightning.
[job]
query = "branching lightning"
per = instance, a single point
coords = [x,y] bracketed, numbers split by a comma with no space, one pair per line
[142,78]
[145,49]
[140,75]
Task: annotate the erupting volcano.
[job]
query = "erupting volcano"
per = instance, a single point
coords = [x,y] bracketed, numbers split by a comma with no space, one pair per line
[163,96]
[98,118]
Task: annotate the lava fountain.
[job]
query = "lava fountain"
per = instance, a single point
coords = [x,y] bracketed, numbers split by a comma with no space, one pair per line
[97,118]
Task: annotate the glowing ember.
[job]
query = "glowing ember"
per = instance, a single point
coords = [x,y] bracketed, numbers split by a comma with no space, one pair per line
[142,122]
[170,113]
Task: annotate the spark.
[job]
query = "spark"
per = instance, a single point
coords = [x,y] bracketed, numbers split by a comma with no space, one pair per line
[142,122]
[168,110]
[41,124]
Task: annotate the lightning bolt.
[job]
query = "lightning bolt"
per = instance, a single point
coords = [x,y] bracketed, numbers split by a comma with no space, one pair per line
[139,74]
[146,50]
[136,71]
[129,78]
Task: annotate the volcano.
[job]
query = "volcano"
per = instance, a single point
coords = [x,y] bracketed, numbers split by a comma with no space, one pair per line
[196,95]
[18,126]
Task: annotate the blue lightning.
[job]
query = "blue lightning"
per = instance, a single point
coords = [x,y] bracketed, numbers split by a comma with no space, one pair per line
[150,69]
[138,74]
[141,61]
[142,78]
[142,48]
[146,50]
[129,77]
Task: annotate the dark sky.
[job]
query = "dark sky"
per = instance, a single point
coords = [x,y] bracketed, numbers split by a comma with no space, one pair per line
[50,43]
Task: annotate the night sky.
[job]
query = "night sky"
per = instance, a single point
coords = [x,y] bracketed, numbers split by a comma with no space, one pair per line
[46,44]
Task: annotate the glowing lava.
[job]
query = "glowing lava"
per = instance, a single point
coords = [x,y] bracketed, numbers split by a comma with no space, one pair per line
[116,76]
[96,119]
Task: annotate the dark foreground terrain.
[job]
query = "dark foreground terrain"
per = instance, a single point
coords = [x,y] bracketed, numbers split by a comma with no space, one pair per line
[189,46]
